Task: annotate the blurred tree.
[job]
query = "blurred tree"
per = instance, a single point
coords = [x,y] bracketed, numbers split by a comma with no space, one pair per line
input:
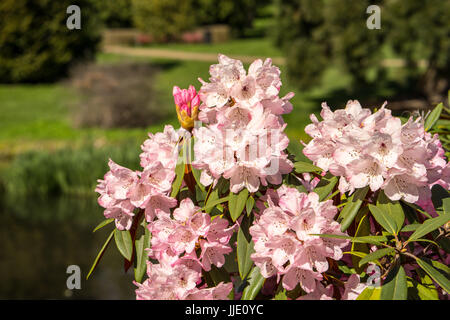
[165,20]
[315,33]
[238,14]
[36,44]
[301,34]
[116,14]
[420,30]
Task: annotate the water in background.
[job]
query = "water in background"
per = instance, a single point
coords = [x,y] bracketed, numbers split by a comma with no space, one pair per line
[40,238]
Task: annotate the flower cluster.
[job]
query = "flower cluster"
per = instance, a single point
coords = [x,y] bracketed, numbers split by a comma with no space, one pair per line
[123,190]
[376,150]
[284,241]
[184,245]
[177,282]
[244,139]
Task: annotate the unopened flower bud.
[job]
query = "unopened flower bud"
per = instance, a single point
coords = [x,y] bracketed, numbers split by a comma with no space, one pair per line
[187,102]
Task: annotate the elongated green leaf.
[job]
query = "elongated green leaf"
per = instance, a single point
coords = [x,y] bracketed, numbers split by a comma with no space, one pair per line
[218,275]
[366,239]
[438,195]
[439,266]
[179,171]
[141,255]
[325,186]
[244,249]
[124,243]
[429,225]
[395,286]
[212,203]
[437,276]
[418,209]
[446,205]
[384,219]
[213,196]
[236,203]
[392,208]
[351,208]
[370,293]
[433,117]
[255,283]
[100,253]
[103,223]
[196,173]
[249,205]
[362,230]
[375,255]
[302,167]
[411,227]
[427,290]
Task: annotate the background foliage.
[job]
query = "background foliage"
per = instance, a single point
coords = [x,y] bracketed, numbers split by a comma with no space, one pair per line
[35,43]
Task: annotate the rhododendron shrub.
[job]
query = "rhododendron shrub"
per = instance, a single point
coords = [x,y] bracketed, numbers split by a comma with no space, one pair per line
[220,209]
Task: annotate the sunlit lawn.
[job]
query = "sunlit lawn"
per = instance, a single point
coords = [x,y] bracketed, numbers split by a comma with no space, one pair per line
[38,116]
[261,47]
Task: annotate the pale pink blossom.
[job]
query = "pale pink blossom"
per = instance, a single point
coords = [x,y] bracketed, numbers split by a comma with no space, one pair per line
[376,150]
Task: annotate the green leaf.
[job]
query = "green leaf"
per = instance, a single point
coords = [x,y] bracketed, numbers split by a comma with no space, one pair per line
[141,255]
[351,208]
[433,117]
[100,254]
[218,275]
[384,219]
[392,208]
[213,196]
[249,205]
[375,255]
[446,205]
[196,173]
[244,249]
[429,225]
[370,293]
[231,264]
[325,186]
[179,171]
[124,243]
[366,239]
[427,290]
[295,148]
[190,159]
[212,203]
[415,207]
[411,227]
[441,267]
[438,194]
[280,295]
[236,203]
[255,283]
[437,276]
[302,167]
[362,230]
[103,223]
[395,286]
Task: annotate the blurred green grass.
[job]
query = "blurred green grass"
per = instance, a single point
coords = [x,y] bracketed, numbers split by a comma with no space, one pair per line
[38,115]
[243,47]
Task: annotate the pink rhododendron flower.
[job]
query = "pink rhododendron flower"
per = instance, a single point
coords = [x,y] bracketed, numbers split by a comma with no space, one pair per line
[376,150]
[244,140]
[353,288]
[284,242]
